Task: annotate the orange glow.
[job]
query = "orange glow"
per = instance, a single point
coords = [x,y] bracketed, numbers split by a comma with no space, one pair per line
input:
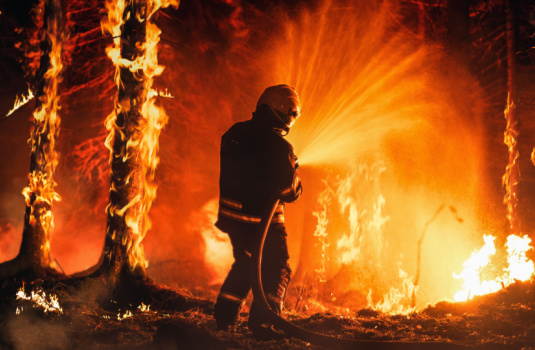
[142,147]
[217,247]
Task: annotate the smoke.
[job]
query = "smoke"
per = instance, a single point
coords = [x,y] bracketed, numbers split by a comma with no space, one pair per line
[29,332]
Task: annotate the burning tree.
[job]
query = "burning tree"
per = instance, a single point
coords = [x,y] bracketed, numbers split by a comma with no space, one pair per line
[34,255]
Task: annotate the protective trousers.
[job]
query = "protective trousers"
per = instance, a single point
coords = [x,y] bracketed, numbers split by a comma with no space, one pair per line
[276,275]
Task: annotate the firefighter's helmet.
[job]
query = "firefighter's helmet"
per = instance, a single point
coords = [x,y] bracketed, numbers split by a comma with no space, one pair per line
[283,101]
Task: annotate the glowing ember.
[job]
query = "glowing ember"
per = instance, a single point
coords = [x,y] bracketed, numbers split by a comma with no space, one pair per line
[520,268]
[21,101]
[40,300]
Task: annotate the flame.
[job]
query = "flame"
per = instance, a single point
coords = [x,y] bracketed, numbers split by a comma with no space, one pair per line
[42,190]
[164,94]
[49,303]
[144,308]
[21,101]
[519,268]
[366,219]
[324,201]
[510,178]
[125,315]
[396,301]
[142,145]
[40,193]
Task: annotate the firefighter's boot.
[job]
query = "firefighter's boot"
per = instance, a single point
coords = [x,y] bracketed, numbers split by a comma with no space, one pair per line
[258,324]
[226,311]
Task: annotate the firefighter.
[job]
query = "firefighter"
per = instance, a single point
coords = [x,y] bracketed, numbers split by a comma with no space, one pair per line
[256,163]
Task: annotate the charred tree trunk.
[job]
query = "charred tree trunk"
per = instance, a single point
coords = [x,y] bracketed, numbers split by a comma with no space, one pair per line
[34,253]
[511,177]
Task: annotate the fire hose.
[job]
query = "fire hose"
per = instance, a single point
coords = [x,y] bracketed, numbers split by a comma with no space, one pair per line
[319,339]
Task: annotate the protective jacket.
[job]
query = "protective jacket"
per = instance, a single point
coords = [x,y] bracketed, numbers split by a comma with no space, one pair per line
[256,163]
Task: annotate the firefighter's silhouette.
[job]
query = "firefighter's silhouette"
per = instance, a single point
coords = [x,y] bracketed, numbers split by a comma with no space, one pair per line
[256,163]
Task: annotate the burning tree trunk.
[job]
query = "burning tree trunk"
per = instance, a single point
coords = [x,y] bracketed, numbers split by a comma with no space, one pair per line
[134,129]
[34,254]
[125,226]
[512,174]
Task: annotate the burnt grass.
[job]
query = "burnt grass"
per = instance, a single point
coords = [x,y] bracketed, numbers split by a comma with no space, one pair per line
[502,320]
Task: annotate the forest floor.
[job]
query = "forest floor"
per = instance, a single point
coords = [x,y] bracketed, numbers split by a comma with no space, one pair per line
[502,320]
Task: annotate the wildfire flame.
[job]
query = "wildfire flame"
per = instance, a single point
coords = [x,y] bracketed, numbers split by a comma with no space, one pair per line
[125,315]
[396,301]
[519,267]
[39,299]
[21,101]
[366,219]
[164,94]
[510,178]
[142,147]
[324,200]
[43,190]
